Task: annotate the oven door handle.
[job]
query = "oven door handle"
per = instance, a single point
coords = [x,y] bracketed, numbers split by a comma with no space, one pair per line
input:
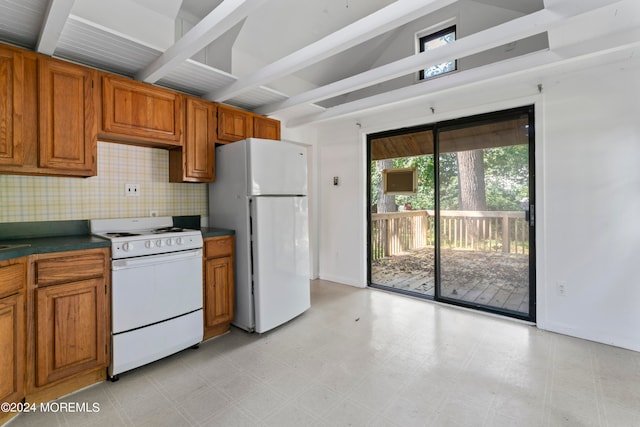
[121,264]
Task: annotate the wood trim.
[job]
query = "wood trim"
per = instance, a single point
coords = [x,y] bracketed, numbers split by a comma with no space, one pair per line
[72,384]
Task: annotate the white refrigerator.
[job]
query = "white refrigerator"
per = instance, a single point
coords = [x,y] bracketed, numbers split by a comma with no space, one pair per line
[261,192]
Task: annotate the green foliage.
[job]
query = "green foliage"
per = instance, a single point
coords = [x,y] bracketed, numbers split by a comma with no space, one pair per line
[506,179]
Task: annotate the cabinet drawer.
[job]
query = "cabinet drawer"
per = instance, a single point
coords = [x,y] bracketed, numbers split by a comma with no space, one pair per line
[12,277]
[218,246]
[69,268]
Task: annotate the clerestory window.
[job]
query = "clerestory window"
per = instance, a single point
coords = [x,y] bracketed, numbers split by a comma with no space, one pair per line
[434,41]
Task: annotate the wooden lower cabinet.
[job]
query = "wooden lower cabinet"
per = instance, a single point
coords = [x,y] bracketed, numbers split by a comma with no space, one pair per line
[218,285]
[12,332]
[69,327]
[12,344]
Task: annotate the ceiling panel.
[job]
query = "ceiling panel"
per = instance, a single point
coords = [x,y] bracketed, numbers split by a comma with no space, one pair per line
[96,46]
[20,21]
[196,78]
[256,97]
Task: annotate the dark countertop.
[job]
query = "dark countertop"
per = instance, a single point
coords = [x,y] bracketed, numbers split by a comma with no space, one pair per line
[43,245]
[215,232]
[193,222]
[29,238]
[41,237]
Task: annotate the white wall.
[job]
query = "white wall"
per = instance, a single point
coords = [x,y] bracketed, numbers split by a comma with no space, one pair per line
[342,255]
[588,190]
[592,199]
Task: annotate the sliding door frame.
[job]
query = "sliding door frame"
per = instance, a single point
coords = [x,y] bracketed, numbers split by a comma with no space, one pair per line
[436,128]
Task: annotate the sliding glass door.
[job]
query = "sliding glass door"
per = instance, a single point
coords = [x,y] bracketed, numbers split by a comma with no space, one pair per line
[402,227]
[463,235]
[484,199]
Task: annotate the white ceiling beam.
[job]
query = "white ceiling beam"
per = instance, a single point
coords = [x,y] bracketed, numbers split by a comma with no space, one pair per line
[379,22]
[215,24]
[530,64]
[453,81]
[510,31]
[55,17]
[516,29]
[576,7]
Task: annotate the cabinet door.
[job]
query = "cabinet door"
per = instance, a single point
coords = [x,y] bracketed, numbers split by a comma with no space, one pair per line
[11,107]
[70,329]
[218,292]
[264,127]
[138,112]
[67,117]
[12,355]
[200,141]
[233,125]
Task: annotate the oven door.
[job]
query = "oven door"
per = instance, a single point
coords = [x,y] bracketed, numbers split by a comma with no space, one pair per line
[151,289]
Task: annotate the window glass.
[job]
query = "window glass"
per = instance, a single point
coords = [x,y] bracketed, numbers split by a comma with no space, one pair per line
[434,41]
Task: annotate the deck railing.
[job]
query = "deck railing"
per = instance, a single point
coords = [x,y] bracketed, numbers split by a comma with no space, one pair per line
[395,233]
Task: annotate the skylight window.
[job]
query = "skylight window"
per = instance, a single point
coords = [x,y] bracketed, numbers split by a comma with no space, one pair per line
[434,41]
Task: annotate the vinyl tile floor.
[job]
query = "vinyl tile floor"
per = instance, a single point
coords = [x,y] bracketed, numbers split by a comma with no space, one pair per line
[363,357]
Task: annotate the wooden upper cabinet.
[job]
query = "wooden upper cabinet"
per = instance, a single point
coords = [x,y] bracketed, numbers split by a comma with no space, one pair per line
[264,127]
[233,124]
[139,113]
[67,117]
[11,107]
[195,161]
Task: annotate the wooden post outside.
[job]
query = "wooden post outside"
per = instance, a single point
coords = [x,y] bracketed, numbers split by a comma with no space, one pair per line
[505,234]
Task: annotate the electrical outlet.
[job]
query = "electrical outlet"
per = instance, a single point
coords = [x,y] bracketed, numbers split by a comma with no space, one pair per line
[153,213]
[131,190]
[561,286]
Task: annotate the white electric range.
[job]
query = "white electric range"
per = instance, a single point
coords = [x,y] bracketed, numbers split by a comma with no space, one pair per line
[156,281]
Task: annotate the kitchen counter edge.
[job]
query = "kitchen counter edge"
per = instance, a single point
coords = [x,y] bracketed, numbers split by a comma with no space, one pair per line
[43,245]
[215,232]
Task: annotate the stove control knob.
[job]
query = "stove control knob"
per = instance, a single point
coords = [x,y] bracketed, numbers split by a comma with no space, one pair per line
[159,243]
[127,246]
[179,241]
[148,244]
[169,242]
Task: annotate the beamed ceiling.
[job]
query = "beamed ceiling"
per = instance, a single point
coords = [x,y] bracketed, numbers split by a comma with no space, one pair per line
[311,61]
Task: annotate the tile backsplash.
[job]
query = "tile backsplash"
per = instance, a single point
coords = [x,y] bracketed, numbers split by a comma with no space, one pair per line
[33,198]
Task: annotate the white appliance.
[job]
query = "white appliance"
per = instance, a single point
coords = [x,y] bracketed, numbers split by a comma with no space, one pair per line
[156,282]
[261,193]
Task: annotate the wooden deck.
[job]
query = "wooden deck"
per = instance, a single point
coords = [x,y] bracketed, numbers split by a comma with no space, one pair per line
[494,279]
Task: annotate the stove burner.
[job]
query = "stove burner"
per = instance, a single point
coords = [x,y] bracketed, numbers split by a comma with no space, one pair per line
[168,230]
[122,234]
